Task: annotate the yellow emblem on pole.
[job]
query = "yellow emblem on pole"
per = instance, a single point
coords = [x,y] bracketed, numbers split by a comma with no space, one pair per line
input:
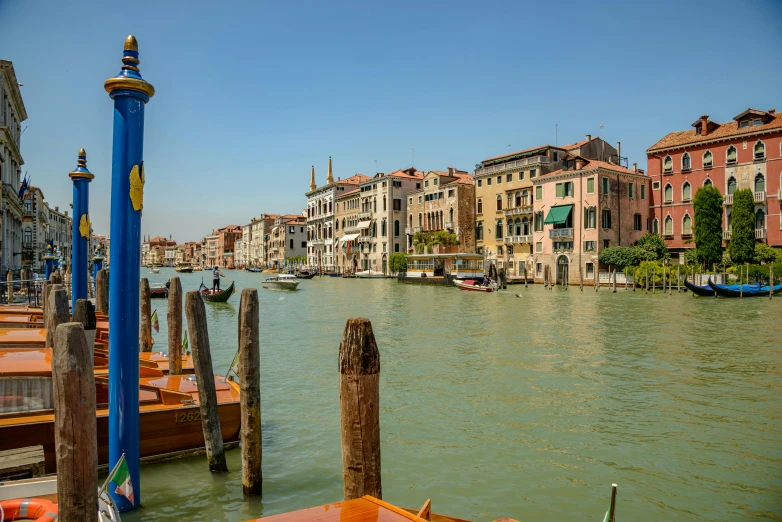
[137,187]
[84,225]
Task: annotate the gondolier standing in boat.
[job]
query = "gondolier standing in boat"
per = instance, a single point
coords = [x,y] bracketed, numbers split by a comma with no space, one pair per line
[216,279]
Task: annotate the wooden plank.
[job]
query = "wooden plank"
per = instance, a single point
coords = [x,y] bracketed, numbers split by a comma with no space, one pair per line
[29,459]
[426,511]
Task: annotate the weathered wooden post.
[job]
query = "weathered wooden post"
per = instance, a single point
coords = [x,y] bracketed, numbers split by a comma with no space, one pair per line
[525,274]
[57,310]
[102,291]
[678,279]
[741,284]
[145,323]
[250,378]
[612,509]
[9,285]
[580,277]
[44,300]
[85,314]
[174,320]
[647,280]
[75,425]
[207,396]
[359,398]
[771,280]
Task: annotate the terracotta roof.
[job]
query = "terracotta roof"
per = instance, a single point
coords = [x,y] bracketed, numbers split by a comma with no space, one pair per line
[355,179]
[723,131]
[348,193]
[518,152]
[594,164]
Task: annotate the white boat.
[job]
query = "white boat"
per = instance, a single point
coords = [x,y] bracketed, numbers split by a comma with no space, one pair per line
[369,274]
[155,270]
[281,282]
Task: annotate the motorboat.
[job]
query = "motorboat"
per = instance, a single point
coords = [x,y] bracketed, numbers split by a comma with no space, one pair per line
[37,491]
[158,291]
[281,282]
[184,268]
[473,285]
[369,274]
[154,269]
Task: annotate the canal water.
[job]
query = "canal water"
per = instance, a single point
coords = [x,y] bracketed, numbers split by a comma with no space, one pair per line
[527,403]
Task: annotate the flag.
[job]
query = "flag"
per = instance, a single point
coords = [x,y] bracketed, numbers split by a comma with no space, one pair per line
[235,364]
[155,322]
[24,186]
[185,344]
[121,478]
[608,514]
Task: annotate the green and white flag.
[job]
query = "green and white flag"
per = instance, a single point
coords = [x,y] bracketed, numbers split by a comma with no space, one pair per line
[608,514]
[185,344]
[235,364]
[121,478]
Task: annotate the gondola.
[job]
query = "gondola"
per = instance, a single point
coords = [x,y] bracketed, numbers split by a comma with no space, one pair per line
[254,270]
[754,290]
[305,274]
[706,290]
[220,297]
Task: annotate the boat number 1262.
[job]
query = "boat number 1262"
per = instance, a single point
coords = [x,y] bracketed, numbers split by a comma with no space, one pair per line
[179,418]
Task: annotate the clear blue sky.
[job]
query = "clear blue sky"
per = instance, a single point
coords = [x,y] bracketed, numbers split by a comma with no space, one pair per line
[250,94]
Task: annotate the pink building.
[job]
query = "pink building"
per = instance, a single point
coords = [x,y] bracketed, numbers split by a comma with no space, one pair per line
[580,209]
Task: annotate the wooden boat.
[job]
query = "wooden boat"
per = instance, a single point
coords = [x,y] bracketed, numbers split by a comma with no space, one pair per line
[253,270]
[473,285]
[281,282]
[45,488]
[184,268]
[269,271]
[158,291]
[305,274]
[170,419]
[748,290]
[197,268]
[218,297]
[703,291]
[21,321]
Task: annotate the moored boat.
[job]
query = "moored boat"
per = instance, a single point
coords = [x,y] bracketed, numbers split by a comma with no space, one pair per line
[154,269]
[281,282]
[253,270]
[703,291]
[216,297]
[197,268]
[184,268]
[369,274]
[42,492]
[305,274]
[747,290]
[158,291]
[473,285]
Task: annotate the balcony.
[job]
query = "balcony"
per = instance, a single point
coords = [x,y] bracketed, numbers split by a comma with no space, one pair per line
[727,199]
[317,242]
[760,233]
[560,232]
[364,239]
[518,239]
[517,211]
[726,235]
[508,165]
[760,197]
[668,172]
[365,215]
[449,225]
[415,230]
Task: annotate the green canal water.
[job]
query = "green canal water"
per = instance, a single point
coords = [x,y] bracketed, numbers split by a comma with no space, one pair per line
[496,405]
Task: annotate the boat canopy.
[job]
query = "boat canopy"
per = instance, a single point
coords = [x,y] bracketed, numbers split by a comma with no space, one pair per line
[558,215]
[363,224]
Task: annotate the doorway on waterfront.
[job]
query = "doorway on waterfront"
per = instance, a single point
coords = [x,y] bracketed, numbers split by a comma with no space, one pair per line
[563,269]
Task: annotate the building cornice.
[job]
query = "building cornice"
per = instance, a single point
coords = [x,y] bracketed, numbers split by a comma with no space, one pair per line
[571,174]
[6,138]
[698,144]
[13,86]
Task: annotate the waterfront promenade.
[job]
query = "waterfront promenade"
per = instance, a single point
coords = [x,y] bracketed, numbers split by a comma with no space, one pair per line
[494,405]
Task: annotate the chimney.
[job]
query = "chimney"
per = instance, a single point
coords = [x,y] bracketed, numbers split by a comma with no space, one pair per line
[579,163]
[635,167]
[450,171]
[772,111]
[589,137]
[56,209]
[619,152]
[704,125]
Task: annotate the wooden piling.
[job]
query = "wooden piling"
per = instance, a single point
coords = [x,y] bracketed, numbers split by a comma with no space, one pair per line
[525,274]
[741,284]
[145,317]
[646,282]
[771,281]
[250,378]
[580,277]
[654,279]
[678,279]
[84,313]
[75,425]
[198,335]
[612,509]
[57,310]
[359,398]
[102,291]
[9,286]
[174,322]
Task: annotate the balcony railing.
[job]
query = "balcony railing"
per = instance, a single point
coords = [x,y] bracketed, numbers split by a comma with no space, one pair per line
[317,242]
[534,160]
[415,230]
[364,239]
[517,211]
[726,235]
[449,224]
[365,215]
[727,199]
[560,232]
[760,233]
[518,239]
[760,197]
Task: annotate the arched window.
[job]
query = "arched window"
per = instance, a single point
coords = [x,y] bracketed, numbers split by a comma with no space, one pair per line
[731,185]
[374,229]
[760,150]
[656,226]
[510,200]
[518,198]
[498,231]
[383,228]
[450,216]
[760,183]
[760,219]
[411,221]
[480,206]
[518,227]
[510,227]
[525,226]
[668,164]
[668,193]
[687,225]
[729,219]
[686,161]
[668,226]
[499,202]
[538,221]
[479,231]
[686,191]
[384,203]
[731,155]
[525,198]
[420,220]
[708,183]
[708,159]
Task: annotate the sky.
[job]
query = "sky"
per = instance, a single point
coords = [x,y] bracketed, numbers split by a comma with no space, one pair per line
[251,94]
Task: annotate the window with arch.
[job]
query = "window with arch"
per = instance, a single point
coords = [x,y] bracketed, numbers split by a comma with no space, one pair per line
[411,221]
[518,198]
[668,226]
[420,220]
[525,226]
[590,217]
[450,216]
[479,231]
[499,202]
[396,228]
[760,183]
[708,160]
[686,161]
[498,231]
[732,185]
[510,227]
[686,191]
[668,164]
[336,226]
[384,205]
[686,225]
[668,193]
[538,221]
[708,182]
[383,228]
[510,201]
[760,219]
[525,198]
[731,155]
[480,206]
[729,219]
[760,150]
[655,226]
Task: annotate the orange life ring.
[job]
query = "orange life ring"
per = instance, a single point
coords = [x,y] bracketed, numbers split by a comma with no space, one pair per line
[38,509]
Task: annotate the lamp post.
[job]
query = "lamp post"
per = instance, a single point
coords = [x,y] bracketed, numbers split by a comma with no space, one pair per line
[81,228]
[130,93]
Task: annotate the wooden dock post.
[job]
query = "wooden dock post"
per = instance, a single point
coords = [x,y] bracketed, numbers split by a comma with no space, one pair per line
[75,425]
[678,279]
[174,321]
[654,279]
[9,286]
[646,282]
[145,318]
[359,401]
[580,277]
[207,396]
[612,509]
[525,274]
[85,314]
[250,378]
[57,312]
[771,281]
[741,284]
[102,291]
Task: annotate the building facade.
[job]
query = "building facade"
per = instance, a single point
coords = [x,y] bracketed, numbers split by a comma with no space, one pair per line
[579,210]
[445,201]
[153,251]
[288,240]
[60,233]
[12,114]
[745,153]
[35,229]
[504,194]
[347,207]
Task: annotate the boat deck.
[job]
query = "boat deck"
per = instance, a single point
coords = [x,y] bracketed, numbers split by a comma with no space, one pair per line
[364,509]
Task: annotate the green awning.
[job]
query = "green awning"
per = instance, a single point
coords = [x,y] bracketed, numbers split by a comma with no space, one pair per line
[558,215]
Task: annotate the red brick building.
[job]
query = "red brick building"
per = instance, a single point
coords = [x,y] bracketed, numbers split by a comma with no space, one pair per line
[745,153]
[227,237]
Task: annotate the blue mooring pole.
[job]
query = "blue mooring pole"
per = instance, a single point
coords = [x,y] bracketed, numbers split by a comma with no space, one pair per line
[81,228]
[130,93]
[50,261]
[97,264]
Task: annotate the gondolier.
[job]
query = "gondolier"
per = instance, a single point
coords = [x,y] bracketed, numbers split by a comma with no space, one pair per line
[216,279]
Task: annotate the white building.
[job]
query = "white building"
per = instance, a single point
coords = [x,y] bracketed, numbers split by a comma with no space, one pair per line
[12,114]
[60,233]
[320,217]
[35,229]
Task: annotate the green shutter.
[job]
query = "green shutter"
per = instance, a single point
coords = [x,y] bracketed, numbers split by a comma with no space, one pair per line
[539,192]
[560,190]
[591,186]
